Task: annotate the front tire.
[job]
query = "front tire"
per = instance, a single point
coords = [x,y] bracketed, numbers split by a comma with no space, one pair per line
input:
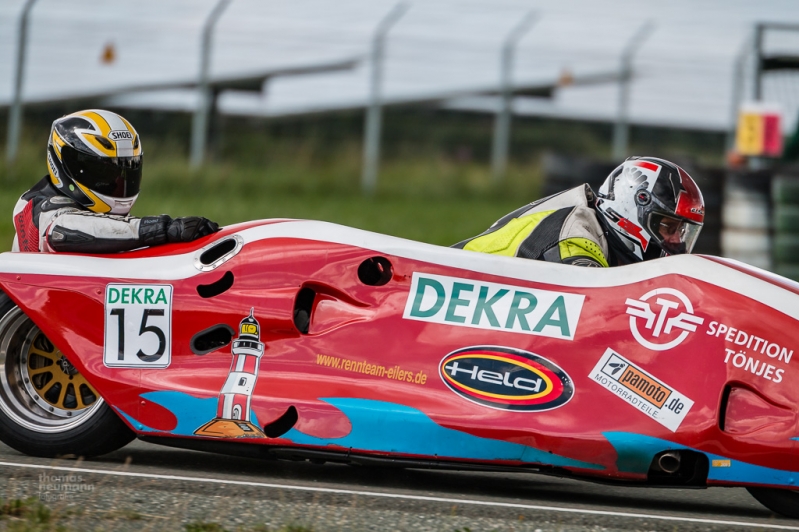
[783,502]
[47,408]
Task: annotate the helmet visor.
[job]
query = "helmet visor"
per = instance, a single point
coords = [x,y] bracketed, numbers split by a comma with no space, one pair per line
[117,177]
[674,235]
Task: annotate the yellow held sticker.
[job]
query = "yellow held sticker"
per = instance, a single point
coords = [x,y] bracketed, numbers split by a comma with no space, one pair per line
[640,389]
[499,307]
[138,326]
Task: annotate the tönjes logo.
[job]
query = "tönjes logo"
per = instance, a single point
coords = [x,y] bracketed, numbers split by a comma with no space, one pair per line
[668,324]
[506,379]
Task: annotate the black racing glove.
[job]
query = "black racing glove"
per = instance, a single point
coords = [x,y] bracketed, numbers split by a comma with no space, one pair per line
[190,228]
[155,230]
[152,229]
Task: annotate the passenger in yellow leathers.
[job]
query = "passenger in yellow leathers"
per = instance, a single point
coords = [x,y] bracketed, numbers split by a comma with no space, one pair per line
[646,208]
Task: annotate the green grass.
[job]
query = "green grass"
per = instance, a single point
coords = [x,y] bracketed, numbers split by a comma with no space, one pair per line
[30,515]
[27,515]
[429,198]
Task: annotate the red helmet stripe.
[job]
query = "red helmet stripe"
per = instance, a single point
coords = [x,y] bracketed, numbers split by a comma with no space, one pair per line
[645,164]
[690,204]
[634,230]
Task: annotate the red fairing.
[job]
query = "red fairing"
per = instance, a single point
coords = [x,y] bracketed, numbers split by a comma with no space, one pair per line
[690,204]
[573,362]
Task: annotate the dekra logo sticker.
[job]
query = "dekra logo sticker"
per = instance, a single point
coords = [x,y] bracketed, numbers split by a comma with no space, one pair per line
[138,326]
[493,306]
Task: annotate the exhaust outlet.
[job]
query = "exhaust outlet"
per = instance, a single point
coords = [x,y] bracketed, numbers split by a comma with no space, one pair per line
[678,467]
[669,462]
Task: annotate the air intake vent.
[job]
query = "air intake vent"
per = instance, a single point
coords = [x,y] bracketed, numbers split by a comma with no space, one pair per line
[375,271]
[213,256]
[303,306]
[217,287]
[211,339]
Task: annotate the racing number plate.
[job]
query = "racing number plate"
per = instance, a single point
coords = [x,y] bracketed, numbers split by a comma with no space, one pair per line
[138,325]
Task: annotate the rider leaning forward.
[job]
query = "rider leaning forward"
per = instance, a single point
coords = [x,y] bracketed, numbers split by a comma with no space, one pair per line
[646,208]
[94,160]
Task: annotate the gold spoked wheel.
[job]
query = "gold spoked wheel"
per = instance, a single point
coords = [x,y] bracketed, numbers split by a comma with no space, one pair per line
[39,389]
[47,408]
[51,377]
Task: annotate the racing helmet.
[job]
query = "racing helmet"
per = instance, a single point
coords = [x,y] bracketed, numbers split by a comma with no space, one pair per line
[95,158]
[650,208]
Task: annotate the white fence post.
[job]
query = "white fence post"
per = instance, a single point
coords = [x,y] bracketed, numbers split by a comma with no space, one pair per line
[621,130]
[371,145]
[199,125]
[499,151]
[15,113]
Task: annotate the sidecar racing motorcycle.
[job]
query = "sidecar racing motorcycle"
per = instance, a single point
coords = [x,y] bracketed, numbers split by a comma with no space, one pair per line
[308,340]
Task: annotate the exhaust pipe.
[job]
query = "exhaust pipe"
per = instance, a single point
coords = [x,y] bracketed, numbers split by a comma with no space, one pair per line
[669,462]
[678,467]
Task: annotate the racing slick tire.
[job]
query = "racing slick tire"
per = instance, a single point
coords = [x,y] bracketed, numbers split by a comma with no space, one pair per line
[47,408]
[783,502]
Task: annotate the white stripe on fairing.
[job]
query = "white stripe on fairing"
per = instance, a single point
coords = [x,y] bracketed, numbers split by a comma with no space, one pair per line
[176,267]
[405,497]
[170,268]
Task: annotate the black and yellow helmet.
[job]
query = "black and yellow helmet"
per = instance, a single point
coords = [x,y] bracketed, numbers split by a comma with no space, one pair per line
[95,158]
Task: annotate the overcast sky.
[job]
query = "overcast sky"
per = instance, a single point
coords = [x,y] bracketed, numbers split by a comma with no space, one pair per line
[684,66]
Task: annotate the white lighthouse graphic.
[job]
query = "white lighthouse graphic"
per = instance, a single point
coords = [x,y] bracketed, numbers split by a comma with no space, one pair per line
[233,412]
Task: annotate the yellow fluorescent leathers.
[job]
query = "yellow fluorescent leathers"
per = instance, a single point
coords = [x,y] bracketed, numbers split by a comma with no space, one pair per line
[566,231]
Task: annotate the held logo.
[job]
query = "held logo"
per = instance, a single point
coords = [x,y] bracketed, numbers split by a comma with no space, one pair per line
[641,390]
[666,316]
[506,379]
[493,306]
[120,135]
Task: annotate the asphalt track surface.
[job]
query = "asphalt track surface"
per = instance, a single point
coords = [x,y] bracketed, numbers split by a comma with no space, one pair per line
[148,487]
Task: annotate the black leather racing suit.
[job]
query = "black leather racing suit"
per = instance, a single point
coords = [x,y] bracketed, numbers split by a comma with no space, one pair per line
[48,221]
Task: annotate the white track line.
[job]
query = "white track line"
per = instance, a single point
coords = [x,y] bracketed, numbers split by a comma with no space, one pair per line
[403,497]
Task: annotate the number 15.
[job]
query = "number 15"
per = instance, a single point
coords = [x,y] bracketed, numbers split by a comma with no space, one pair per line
[120,314]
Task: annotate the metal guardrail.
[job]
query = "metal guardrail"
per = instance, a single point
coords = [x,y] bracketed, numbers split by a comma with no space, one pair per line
[209,89]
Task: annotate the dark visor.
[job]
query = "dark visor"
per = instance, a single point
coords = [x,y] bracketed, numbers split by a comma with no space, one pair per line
[117,177]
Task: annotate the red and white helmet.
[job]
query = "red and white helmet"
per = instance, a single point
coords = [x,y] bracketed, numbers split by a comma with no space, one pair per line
[651,208]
